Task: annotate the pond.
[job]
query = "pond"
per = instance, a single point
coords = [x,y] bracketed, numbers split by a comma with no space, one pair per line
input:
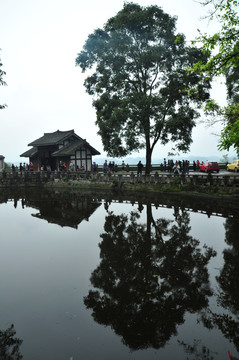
[92,275]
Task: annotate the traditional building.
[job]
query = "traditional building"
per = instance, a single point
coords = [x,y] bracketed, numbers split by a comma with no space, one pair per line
[60,146]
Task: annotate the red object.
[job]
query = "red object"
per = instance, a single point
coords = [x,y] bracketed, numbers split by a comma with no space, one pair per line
[209,166]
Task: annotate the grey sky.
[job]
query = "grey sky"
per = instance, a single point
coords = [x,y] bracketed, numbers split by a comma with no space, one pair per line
[39,41]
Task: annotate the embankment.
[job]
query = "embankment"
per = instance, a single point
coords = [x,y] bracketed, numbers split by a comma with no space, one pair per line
[224,183]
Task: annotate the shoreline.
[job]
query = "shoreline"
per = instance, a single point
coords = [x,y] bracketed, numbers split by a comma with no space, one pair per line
[197,184]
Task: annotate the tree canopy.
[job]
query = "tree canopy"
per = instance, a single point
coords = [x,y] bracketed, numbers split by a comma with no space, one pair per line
[224,61]
[224,43]
[143,92]
[2,82]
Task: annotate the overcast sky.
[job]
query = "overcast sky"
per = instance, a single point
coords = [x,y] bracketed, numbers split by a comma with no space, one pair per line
[39,41]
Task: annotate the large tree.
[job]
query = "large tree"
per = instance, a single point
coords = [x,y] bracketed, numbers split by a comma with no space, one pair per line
[2,82]
[143,91]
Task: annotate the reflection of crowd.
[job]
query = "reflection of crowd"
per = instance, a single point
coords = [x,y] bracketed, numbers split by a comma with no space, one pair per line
[106,206]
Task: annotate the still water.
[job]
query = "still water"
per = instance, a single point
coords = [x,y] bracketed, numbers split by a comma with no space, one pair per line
[103,276]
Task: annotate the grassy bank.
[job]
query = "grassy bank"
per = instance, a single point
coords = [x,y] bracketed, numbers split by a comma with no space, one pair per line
[152,188]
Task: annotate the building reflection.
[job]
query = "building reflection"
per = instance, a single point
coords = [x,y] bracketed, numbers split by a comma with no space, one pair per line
[58,207]
[66,213]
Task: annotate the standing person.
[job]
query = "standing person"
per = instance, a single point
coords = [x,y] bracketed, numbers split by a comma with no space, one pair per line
[139,168]
[113,166]
[171,165]
[71,166]
[180,165]
[105,167]
[187,166]
[175,168]
[194,165]
[122,165]
[94,167]
[110,166]
[164,164]
[198,164]
[60,166]
[183,167]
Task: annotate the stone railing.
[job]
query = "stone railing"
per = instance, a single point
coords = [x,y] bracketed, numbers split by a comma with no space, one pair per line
[118,179]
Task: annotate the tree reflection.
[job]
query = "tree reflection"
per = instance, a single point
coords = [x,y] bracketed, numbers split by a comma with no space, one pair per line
[198,351]
[149,276]
[228,294]
[229,276]
[9,345]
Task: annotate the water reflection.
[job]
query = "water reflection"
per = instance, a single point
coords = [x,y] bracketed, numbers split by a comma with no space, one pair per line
[152,274]
[58,207]
[149,276]
[199,351]
[9,345]
[228,290]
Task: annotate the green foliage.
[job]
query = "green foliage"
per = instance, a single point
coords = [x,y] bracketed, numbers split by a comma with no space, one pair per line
[224,43]
[2,82]
[224,61]
[230,137]
[143,91]
[232,83]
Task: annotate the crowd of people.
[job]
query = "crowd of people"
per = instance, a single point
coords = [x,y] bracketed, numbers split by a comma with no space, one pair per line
[111,167]
[171,166]
[179,166]
[23,167]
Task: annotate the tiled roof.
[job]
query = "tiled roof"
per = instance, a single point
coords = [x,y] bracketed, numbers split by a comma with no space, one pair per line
[53,138]
[57,138]
[29,153]
[70,148]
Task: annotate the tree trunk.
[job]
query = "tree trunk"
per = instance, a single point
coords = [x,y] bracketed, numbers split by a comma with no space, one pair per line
[148,159]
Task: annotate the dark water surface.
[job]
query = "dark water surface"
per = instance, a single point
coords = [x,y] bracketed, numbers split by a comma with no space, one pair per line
[101,276]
